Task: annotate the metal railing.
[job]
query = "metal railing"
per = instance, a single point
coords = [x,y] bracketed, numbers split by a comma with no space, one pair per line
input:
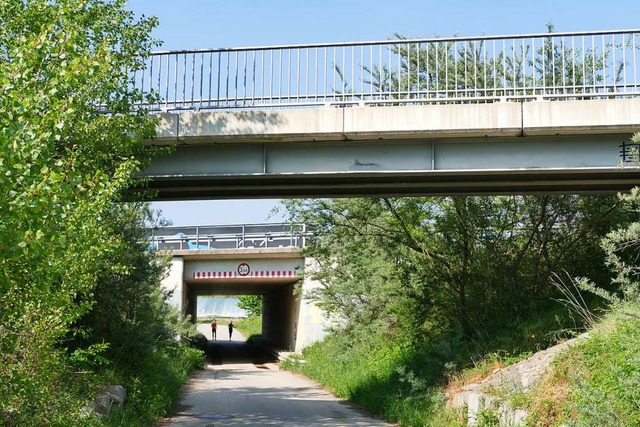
[437,70]
[231,236]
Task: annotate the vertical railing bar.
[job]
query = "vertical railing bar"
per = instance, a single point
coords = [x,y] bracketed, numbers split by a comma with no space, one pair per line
[298,77]
[253,80]
[564,64]
[604,63]
[427,71]
[289,77]
[325,74]
[624,64]
[475,68]
[534,69]
[573,64]
[226,95]
[613,63]
[362,65]
[176,77]
[151,77]
[193,77]
[210,78]
[280,78]
[184,78]
[584,65]
[437,80]
[219,77]
[390,62]
[514,66]
[417,95]
[235,89]
[544,63]
[334,71]
[262,82]
[465,77]
[593,62]
[201,75]
[245,97]
[382,74]
[455,68]
[353,72]
[271,53]
[143,71]
[167,82]
[635,63]
[523,67]
[159,90]
[306,76]
[344,68]
[504,68]
[316,76]
[484,69]
[408,70]
[446,69]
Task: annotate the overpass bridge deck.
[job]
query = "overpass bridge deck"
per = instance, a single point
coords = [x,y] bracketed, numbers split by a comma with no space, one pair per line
[542,113]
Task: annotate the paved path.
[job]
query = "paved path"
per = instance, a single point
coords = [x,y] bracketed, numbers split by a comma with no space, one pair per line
[240,389]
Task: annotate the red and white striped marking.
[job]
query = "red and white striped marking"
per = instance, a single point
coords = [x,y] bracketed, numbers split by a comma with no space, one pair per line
[271,274]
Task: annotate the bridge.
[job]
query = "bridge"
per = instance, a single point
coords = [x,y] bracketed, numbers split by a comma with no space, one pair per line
[245,259]
[542,113]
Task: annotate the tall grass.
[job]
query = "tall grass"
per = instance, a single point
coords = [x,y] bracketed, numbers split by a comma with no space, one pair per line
[249,326]
[407,382]
[154,390]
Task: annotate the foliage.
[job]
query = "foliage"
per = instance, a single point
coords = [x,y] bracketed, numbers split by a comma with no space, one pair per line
[252,304]
[154,389]
[250,326]
[426,266]
[79,294]
[458,69]
[401,276]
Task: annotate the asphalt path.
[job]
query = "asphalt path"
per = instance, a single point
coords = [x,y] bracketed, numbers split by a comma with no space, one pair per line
[243,386]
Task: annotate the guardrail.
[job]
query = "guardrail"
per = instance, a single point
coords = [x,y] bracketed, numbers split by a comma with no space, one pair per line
[435,70]
[231,236]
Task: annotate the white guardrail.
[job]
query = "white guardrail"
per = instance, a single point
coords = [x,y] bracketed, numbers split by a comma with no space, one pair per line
[436,70]
[231,236]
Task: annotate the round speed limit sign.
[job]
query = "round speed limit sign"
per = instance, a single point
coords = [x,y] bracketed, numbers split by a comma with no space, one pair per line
[244,269]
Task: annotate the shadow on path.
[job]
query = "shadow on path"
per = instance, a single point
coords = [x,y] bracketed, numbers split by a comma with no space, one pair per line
[229,352]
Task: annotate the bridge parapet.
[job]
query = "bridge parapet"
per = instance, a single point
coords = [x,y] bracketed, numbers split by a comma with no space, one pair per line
[554,66]
[230,237]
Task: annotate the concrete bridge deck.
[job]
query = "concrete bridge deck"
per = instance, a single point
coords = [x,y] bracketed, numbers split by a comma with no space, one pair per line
[541,113]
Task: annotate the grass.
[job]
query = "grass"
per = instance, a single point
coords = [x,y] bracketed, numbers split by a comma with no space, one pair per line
[409,384]
[597,382]
[154,391]
[249,326]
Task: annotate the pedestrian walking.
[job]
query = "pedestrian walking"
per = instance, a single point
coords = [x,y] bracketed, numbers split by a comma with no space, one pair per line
[214,329]
[230,329]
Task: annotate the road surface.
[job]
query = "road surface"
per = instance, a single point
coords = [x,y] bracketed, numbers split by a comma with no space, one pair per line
[242,386]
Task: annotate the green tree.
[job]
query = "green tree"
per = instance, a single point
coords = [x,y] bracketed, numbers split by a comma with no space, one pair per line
[70,145]
[252,304]
[458,263]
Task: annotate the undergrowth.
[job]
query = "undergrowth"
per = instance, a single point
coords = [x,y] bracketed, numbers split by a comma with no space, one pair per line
[410,383]
[153,391]
[249,326]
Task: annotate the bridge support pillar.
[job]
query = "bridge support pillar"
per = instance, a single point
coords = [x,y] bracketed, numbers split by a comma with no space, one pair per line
[312,322]
[174,283]
[279,315]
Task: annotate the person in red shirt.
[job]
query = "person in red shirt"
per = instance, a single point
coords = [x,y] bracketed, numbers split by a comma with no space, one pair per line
[214,328]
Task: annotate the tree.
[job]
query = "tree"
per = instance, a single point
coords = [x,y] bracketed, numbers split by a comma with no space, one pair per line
[252,304]
[70,144]
[453,263]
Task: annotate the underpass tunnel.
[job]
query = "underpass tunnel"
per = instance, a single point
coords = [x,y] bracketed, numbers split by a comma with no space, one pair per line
[280,309]
[274,279]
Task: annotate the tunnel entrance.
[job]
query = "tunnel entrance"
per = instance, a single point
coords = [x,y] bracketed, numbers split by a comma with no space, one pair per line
[272,276]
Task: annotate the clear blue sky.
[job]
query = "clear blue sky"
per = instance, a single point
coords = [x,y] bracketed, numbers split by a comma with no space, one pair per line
[186,24]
